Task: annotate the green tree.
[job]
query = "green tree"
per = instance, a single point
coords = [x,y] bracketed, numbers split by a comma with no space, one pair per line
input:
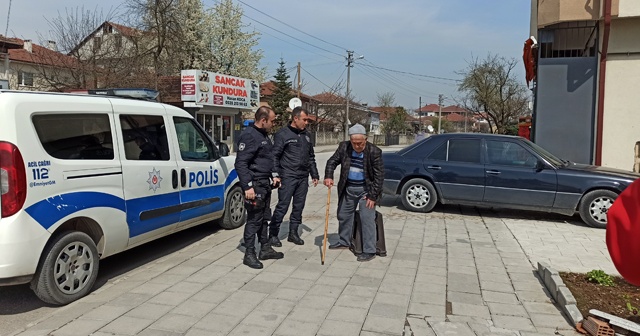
[396,121]
[490,85]
[281,95]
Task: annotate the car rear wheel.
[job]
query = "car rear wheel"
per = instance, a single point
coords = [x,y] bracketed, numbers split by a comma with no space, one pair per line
[68,270]
[594,207]
[234,211]
[419,195]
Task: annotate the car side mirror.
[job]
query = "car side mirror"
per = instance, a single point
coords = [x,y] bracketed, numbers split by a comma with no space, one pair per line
[540,166]
[223,148]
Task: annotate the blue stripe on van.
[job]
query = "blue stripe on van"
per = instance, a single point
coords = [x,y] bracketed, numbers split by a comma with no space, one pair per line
[51,210]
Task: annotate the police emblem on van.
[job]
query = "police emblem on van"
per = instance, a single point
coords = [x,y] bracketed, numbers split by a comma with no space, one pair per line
[154,179]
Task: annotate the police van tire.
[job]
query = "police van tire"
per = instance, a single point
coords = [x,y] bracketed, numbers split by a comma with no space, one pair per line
[234,212]
[67,270]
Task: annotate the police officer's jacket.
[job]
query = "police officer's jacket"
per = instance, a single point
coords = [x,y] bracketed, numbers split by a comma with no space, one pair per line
[255,156]
[293,154]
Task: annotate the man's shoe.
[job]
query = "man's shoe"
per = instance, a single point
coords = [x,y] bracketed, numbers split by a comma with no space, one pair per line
[267,252]
[338,246]
[251,260]
[275,241]
[366,256]
[295,238]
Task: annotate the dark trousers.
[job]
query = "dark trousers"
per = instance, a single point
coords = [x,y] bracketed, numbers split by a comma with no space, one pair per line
[353,198]
[258,218]
[297,189]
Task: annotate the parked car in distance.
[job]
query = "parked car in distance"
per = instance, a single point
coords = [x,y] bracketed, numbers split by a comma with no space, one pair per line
[500,171]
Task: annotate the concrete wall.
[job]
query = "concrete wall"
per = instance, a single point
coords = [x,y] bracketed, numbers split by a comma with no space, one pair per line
[629,8]
[565,107]
[621,126]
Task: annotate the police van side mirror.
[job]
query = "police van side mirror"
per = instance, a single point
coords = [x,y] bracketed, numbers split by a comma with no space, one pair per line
[223,148]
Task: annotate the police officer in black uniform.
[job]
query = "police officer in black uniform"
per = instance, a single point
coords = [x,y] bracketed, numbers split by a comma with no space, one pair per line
[254,164]
[294,160]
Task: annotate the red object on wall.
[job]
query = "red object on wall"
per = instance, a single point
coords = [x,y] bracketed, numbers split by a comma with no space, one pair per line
[524,127]
[529,56]
[623,233]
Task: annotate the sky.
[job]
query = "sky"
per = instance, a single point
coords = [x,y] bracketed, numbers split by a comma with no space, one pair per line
[425,42]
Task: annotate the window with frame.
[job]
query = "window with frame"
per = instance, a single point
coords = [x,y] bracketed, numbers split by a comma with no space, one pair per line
[440,153]
[145,137]
[97,43]
[25,78]
[507,153]
[464,150]
[193,142]
[75,136]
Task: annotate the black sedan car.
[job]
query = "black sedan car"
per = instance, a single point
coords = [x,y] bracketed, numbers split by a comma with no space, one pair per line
[500,171]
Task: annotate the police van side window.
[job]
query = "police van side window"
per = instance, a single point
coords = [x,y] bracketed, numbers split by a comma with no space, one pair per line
[193,142]
[75,136]
[145,137]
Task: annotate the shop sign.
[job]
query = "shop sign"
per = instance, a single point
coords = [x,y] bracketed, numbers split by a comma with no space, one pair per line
[210,88]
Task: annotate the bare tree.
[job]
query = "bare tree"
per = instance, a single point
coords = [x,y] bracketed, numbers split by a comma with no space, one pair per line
[386,99]
[491,87]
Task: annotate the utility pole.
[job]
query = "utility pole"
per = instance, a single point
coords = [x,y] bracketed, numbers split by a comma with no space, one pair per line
[420,114]
[440,99]
[299,80]
[346,119]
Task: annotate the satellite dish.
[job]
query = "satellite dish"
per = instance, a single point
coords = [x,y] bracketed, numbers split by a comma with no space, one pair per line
[430,128]
[294,102]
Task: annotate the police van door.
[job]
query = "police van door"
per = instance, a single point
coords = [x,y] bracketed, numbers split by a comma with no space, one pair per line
[201,177]
[149,170]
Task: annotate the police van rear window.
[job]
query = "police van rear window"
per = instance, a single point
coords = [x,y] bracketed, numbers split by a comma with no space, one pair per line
[75,136]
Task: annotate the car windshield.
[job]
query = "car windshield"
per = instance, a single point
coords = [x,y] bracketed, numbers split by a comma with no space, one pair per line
[545,154]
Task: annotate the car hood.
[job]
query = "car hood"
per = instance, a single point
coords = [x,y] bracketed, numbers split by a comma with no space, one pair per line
[603,170]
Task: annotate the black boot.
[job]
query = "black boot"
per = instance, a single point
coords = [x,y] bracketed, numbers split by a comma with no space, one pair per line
[267,252]
[275,241]
[250,259]
[295,238]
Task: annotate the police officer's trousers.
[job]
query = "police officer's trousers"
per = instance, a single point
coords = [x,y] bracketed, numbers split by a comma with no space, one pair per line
[297,189]
[258,217]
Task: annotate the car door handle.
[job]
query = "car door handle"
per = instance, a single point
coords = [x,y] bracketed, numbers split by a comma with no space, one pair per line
[493,172]
[183,177]
[434,167]
[174,179]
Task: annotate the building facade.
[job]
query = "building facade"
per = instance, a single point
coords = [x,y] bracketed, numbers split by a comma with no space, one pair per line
[588,63]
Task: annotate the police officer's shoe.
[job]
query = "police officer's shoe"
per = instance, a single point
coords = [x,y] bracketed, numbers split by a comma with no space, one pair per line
[251,260]
[267,252]
[275,241]
[295,238]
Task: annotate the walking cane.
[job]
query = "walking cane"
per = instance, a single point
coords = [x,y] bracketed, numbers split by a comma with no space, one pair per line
[326,226]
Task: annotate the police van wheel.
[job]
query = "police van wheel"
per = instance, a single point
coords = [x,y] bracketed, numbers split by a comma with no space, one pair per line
[234,212]
[67,270]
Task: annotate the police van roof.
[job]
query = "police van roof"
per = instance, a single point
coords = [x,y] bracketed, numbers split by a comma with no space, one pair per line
[127,93]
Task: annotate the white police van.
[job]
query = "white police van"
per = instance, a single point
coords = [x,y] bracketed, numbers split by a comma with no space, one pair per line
[84,177]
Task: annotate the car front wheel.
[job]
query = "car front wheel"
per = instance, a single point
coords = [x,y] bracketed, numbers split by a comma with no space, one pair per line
[68,270]
[594,207]
[419,195]
[234,211]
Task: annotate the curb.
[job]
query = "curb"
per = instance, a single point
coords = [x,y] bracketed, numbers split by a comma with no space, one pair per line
[560,293]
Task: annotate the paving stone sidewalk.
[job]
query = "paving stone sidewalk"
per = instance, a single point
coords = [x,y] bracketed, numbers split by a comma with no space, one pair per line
[454,271]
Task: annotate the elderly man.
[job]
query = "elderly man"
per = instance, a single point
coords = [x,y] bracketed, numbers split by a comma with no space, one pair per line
[360,185]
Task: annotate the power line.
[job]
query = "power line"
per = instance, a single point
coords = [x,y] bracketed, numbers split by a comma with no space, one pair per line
[410,73]
[316,78]
[283,33]
[297,46]
[290,26]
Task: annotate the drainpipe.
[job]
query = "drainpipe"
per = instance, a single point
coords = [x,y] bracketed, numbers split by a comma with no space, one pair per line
[601,81]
